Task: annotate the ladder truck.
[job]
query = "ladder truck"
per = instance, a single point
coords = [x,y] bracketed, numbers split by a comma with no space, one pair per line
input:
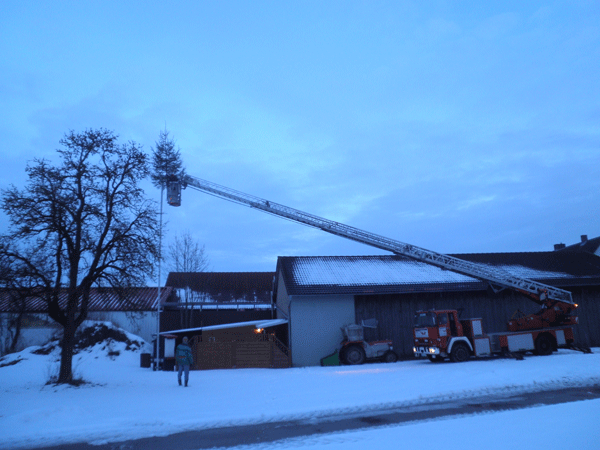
[437,334]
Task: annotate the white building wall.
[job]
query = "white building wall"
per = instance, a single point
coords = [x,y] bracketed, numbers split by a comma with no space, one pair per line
[27,337]
[142,324]
[315,326]
[283,300]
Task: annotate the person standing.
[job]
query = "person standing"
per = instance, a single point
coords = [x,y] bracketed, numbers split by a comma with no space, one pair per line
[183,353]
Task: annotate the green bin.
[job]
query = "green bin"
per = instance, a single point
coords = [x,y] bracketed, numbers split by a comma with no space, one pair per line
[331,360]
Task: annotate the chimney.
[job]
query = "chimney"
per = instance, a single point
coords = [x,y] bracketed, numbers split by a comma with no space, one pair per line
[559,246]
[584,238]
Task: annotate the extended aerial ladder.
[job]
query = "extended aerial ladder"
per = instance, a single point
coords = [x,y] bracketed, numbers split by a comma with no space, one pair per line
[557,302]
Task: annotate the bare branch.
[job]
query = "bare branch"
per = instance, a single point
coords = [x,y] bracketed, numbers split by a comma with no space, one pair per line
[187,255]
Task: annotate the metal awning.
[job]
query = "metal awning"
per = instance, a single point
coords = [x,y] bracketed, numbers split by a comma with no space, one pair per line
[255,323]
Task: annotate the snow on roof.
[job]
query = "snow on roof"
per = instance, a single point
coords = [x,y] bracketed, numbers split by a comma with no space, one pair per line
[315,272]
[531,273]
[352,272]
[393,273]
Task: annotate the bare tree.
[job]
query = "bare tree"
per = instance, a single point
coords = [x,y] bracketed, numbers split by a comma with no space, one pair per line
[81,223]
[187,255]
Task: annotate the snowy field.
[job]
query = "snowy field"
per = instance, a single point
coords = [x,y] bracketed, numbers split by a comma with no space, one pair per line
[123,401]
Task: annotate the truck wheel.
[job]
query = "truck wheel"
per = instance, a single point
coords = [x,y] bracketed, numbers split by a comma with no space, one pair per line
[435,359]
[460,352]
[354,355]
[544,345]
[390,357]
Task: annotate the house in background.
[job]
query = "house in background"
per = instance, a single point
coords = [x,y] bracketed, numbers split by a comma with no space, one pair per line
[132,309]
[319,295]
[585,246]
[216,298]
[229,318]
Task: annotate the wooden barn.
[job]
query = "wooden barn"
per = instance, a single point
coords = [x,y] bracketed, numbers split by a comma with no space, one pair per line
[319,295]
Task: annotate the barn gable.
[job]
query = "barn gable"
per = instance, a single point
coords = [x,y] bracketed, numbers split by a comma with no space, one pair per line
[223,287]
[212,298]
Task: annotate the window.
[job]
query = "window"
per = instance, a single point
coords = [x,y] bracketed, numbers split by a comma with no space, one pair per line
[425,319]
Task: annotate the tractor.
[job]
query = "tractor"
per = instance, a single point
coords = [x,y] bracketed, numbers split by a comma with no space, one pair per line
[355,350]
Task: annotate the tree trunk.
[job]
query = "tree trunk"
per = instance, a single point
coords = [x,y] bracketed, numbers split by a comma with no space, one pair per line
[15,340]
[65,374]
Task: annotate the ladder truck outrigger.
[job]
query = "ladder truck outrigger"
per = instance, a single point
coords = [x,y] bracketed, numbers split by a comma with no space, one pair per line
[437,334]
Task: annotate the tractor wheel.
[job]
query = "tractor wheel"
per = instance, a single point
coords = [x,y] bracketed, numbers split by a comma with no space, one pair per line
[354,355]
[390,357]
[544,345]
[460,352]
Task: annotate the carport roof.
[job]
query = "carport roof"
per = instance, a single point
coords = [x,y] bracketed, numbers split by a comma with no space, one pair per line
[253,323]
[398,274]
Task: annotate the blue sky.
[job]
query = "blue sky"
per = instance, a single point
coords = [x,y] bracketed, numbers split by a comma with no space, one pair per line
[455,126]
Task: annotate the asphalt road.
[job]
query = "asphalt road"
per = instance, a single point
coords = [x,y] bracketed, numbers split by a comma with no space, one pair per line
[274,431]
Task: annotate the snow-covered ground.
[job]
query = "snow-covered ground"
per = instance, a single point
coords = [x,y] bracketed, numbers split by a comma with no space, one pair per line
[122,401]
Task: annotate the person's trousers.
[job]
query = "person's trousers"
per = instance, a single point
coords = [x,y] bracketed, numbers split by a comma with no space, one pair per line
[187,373]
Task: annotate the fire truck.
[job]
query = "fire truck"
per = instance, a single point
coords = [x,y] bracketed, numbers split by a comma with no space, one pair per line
[438,334]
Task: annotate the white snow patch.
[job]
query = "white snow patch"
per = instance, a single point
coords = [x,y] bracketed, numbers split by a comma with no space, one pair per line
[124,401]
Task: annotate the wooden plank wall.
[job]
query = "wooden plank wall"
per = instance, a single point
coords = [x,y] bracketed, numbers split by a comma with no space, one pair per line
[395,313]
[237,348]
[588,330]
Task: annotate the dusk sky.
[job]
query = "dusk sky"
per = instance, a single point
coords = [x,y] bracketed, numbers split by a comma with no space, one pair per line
[460,127]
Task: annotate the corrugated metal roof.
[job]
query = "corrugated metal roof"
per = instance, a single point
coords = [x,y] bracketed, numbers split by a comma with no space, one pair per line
[101,299]
[396,274]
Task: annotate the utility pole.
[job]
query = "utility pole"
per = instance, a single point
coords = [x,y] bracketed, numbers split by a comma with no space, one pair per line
[157,365]
[166,163]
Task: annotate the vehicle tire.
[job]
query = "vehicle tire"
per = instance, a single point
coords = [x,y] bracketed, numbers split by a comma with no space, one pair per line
[390,357]
[544,345]
[435,359]
[460,352]
[354,355]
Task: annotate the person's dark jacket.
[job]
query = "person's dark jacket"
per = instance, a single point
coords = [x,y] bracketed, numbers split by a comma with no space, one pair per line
[183,353]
